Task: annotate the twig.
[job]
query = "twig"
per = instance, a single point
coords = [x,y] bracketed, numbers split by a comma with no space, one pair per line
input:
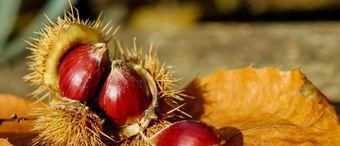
[15,118]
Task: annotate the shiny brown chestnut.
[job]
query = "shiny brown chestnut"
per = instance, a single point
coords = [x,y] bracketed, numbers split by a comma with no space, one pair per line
[186,133]
[81,70]
[125,95]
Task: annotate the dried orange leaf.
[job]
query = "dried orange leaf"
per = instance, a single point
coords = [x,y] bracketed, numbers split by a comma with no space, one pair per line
[17,133]
[4,142]
[268,106]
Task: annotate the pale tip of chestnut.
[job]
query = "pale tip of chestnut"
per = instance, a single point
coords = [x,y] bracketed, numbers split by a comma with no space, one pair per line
[101,48]
[100,45]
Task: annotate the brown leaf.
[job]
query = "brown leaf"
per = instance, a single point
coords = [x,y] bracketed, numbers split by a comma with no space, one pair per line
[268,106]
[16,133]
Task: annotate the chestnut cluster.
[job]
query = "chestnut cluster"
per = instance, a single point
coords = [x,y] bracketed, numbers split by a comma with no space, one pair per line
[124,92]
[85,73]
[101,97]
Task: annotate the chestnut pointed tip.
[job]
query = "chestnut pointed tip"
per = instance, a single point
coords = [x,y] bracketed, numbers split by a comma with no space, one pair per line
[100,46]
[100,49]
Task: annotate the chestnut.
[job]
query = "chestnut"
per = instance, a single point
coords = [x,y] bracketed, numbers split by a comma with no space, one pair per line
[81,70]
[186,133]
[125,95]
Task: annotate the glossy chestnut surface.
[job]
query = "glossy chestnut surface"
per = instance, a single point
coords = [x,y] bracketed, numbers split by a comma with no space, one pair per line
[187,133]
[81,70]
[125,95]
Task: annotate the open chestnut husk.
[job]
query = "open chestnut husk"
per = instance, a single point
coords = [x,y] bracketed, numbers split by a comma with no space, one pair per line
[67,123]
[69,66]
[68,61]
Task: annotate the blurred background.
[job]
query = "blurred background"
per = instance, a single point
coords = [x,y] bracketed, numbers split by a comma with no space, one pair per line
[195,36]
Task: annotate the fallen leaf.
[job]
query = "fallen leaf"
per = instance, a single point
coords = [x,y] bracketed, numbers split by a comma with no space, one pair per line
[16,133]
[4,142]
[268,107]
